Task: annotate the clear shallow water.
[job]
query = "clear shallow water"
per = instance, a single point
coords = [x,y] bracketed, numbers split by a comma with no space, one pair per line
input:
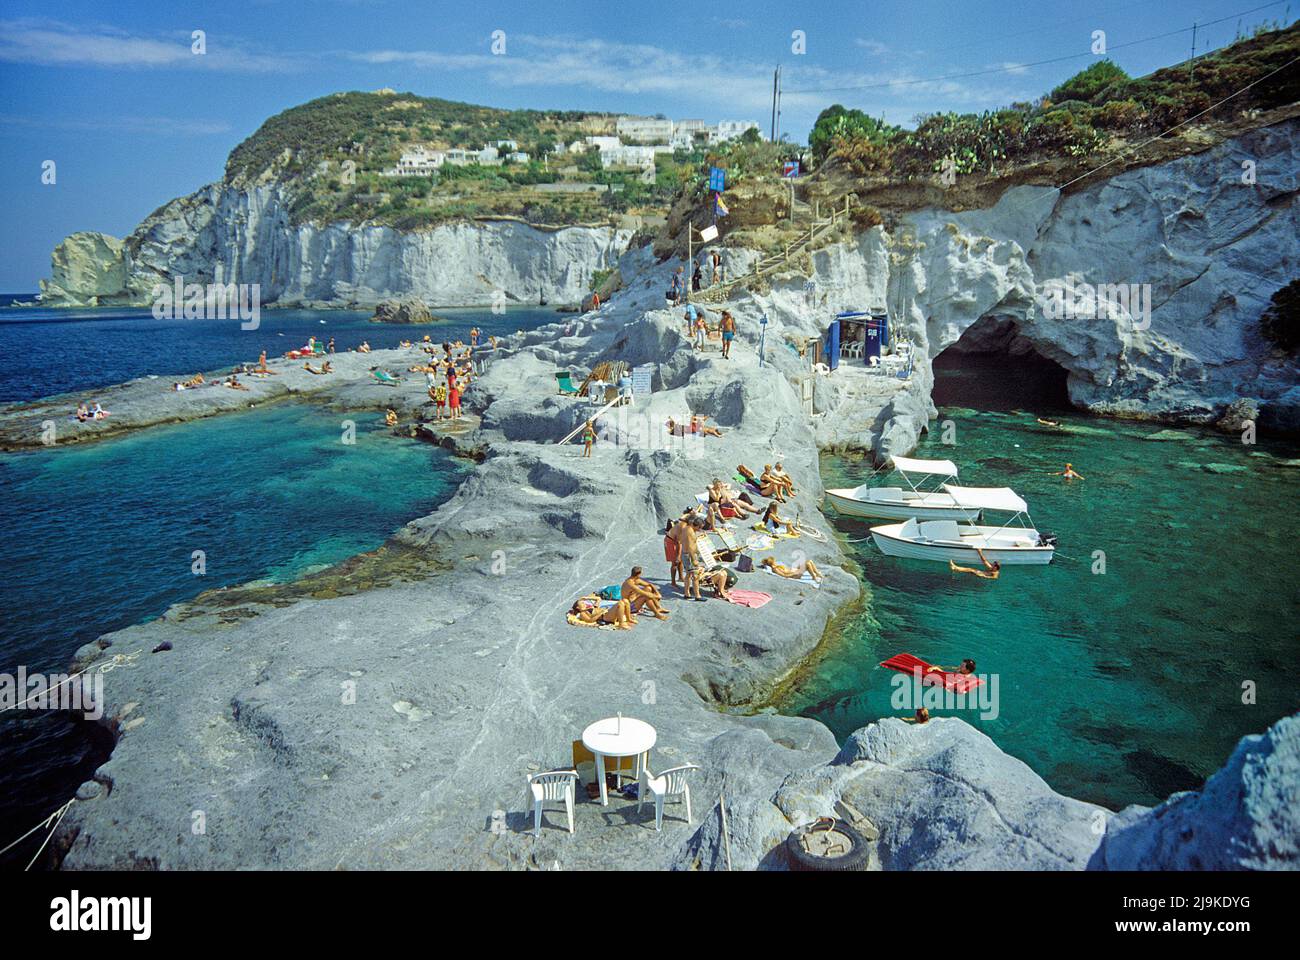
[100,536]
[45,351]
[1117,688]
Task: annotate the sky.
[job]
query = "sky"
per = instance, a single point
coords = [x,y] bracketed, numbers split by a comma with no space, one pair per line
[132,117]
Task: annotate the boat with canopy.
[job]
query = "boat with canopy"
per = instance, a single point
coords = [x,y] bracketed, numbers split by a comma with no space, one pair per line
[963,543]
[921,499]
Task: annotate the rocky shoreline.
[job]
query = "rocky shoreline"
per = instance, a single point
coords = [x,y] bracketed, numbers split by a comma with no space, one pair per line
[383,714]
[388,718]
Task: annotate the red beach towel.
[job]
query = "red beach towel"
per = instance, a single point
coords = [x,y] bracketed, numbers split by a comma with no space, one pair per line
[750,598]
[956,682]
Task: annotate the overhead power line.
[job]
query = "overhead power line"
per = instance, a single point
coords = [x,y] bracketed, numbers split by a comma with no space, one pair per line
[1018,67]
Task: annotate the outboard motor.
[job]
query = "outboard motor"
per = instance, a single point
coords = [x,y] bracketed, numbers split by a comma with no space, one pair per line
[1046,539]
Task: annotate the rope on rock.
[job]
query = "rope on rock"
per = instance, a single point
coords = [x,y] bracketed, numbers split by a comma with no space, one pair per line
[52,821]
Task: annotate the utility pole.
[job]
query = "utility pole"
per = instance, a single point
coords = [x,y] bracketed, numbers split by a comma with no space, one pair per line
[1191,64]
[775,77]
[778,105]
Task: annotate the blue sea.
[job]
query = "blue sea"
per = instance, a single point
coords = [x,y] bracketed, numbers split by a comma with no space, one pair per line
[44,351]
[101,536]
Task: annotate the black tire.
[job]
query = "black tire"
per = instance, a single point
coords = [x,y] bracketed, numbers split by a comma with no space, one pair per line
[801,859]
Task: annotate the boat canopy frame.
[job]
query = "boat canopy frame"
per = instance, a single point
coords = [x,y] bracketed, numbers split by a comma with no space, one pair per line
[944,469]
[997,499]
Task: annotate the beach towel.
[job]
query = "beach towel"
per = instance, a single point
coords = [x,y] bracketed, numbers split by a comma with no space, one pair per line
[749,598]
[760,543]
[956,682]
[806,578]
[772,533]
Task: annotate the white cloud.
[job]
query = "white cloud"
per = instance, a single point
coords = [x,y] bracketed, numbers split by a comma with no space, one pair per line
[872,46]
[52,43]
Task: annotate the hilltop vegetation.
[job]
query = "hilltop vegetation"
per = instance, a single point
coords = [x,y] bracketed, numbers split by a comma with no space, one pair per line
[1100,119]
[331,154]
[1096,109]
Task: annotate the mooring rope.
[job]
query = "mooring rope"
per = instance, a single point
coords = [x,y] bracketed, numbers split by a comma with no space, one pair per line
[52,821]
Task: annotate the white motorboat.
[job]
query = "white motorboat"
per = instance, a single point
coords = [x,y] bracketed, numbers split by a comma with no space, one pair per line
[897,503]
[963,543]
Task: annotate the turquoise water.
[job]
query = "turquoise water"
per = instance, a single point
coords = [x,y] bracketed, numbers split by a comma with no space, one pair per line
[1118,687]
[100,536]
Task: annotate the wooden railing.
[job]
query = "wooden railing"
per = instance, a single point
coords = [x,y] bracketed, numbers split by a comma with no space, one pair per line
[817,227]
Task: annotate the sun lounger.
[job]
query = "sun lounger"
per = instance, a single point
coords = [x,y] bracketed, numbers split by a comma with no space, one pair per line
[564,382]
[384,377]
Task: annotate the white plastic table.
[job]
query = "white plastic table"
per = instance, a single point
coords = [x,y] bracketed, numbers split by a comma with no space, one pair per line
[614,738]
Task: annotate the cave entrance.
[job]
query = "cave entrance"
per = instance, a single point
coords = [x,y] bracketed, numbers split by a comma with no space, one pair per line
[993,367]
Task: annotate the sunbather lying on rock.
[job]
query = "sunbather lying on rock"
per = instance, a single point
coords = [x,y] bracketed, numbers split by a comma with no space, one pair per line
[642,593]
[324,368]
[699,426]
[233,383]
[588,610]
[261,365]
[793,573]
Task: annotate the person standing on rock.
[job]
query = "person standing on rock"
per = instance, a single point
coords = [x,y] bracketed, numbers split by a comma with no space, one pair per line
[689,548]
[716,259]
[728,326]
[330,348]
[438,393]
[473,337]
[588,438]
[675,289]
[453,398]
[673,554]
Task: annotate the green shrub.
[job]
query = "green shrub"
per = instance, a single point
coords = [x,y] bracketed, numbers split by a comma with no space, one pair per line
[1087,84]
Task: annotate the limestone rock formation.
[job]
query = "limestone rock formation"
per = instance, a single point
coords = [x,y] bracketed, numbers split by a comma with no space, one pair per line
[1246,817]
[408,310]
[227,234]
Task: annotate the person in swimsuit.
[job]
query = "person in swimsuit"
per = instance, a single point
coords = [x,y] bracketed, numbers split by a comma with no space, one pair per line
[689,550]
[783,478]
[672,554]
[453,398]
[703,429]
[588,610]
[588,438]
[773,521]
[439,394]
[990,571]
[922,716]
[769,487]
[390,418]
[1069,473]
[261,365]
[642,593]
[793,573]
[721,494]
[728,326]
[966,669]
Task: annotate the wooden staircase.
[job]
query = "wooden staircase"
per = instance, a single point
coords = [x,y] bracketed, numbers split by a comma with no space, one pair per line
[818,226]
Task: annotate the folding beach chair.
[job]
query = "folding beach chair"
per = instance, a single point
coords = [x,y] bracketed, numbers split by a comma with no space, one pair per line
[565,383]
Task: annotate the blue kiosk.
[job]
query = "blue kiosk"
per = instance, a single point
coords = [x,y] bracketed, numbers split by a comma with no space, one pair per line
[857,335]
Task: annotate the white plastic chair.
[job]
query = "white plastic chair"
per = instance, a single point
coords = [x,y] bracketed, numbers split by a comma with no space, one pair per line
[670,783]
[553,785]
